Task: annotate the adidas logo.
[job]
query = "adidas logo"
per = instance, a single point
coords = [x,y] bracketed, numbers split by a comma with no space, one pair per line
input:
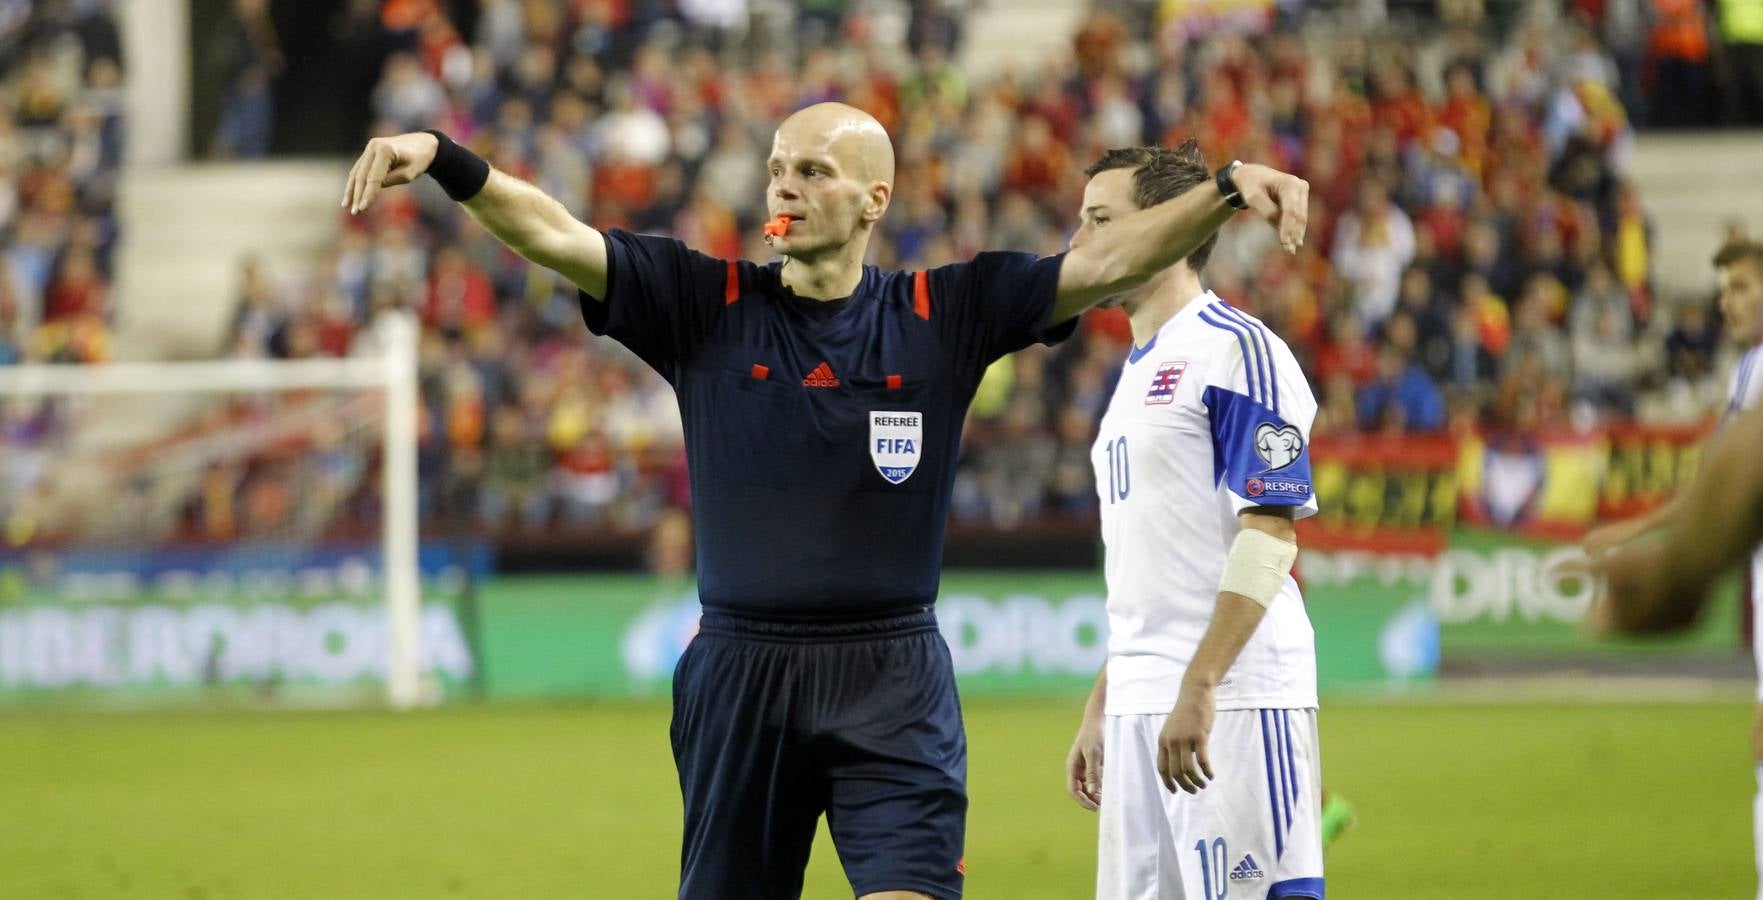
[1247,870]
[822,376]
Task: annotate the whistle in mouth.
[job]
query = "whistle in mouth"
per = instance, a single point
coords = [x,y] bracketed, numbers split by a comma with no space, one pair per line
[779,226]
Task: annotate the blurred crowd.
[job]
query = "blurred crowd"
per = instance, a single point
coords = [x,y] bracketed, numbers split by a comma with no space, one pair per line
[1477,259]
[61,140]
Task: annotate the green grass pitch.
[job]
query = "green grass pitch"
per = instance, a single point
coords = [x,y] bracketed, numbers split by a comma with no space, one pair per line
[1455,801]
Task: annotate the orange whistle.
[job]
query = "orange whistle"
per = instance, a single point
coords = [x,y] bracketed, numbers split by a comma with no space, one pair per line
[779,226]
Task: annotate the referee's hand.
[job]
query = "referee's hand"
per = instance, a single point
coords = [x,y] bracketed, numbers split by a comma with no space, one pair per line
[387,162]
[1283,200]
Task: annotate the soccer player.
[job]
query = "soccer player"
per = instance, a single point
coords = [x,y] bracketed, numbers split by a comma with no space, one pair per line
[823,402]
[1657,568]
[1198,743]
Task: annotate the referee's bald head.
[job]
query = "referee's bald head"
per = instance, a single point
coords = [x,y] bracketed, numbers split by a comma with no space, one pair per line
[832,175]
[847,132]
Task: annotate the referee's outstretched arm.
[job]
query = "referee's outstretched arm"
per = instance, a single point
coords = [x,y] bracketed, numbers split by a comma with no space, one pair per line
[540,229]
[525,218]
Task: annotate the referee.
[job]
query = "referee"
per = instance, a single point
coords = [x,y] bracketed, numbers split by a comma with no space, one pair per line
[823,401]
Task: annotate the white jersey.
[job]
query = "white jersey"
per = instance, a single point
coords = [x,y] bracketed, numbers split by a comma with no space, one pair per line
[1212,416]
[1742,394]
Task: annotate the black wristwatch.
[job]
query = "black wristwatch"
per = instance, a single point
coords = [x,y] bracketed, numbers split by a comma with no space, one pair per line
[1227,185]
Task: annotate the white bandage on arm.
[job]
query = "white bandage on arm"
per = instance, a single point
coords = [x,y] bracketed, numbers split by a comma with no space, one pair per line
[1257,566]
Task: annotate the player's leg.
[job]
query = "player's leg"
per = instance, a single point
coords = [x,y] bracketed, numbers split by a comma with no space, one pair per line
[1757,801]
[1136,854]
[889,735]
[1255,830]
[1757,829]
[750,803]
[1753,589]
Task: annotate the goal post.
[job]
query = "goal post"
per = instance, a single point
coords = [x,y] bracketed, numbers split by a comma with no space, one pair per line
[162,483]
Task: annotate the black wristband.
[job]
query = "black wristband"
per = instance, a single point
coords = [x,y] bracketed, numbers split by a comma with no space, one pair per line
[1227,185]
[459,172]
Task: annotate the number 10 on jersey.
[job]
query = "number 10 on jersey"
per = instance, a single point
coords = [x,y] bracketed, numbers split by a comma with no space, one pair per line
[1119,474]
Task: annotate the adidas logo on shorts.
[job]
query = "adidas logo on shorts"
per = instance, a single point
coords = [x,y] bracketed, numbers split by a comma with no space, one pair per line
[1247,870]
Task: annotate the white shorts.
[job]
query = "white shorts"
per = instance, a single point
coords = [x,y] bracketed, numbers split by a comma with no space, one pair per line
[1254,832]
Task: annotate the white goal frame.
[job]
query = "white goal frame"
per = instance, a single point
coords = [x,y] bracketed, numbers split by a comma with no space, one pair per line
[394,371]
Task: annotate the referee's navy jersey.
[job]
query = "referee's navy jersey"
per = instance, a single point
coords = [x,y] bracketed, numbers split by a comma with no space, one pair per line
[821,435]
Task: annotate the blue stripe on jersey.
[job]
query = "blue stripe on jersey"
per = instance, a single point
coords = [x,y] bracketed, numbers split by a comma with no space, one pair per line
[1263,346]
[1249,360]
[1138,353]
[1741,384]
[1279,840]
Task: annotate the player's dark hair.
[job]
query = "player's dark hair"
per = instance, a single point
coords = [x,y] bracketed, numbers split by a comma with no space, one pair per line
[1734,251]
[1159,174]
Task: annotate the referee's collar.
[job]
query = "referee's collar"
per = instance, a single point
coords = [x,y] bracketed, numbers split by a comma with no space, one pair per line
[819,310]
[866,283]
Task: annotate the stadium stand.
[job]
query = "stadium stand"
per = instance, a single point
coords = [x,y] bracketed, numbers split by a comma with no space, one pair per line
[1478,259]
[60,153]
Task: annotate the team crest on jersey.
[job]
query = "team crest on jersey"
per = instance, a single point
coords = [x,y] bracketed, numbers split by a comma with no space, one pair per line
[1278,446]
[1163,383]
[896,440]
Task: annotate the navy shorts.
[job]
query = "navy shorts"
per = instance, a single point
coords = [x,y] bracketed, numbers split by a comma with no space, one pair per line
[775,724]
